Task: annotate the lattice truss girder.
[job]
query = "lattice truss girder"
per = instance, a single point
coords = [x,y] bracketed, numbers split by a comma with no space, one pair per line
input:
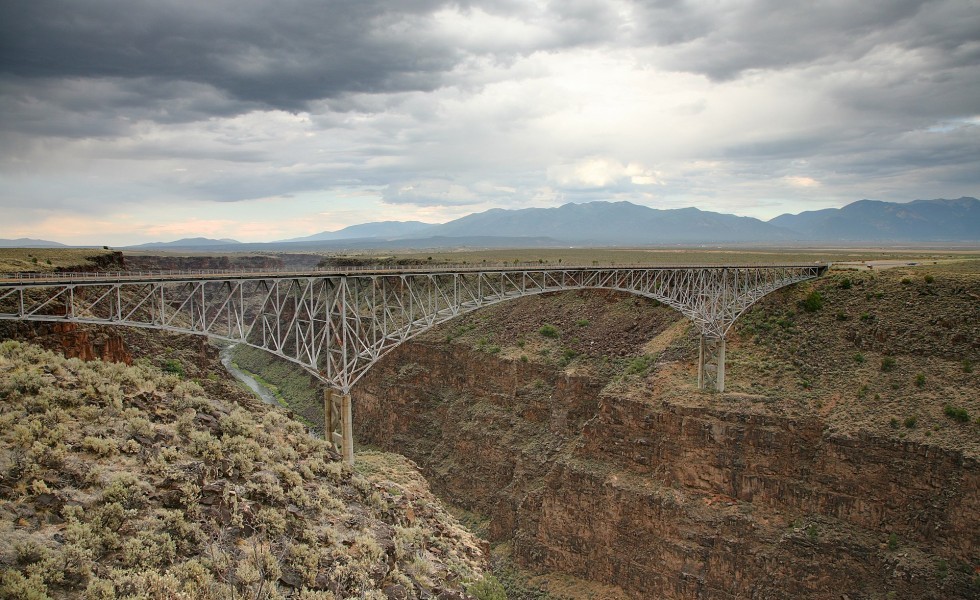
[338,326]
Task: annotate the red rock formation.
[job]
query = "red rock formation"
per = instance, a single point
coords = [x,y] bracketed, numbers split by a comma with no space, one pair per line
[83,344]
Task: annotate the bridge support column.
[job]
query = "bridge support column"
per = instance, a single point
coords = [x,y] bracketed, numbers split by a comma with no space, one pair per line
[711,363]
[338,423]
[348,430]
[332,420]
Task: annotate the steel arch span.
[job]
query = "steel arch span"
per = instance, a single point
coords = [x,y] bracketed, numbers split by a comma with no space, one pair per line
[338,324]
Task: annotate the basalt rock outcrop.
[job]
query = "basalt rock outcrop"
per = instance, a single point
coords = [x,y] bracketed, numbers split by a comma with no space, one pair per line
[72,340]
[106,261]
[167,262]
[247,262]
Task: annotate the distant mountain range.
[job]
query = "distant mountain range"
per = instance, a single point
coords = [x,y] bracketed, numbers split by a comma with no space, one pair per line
[871,220]
[615,224]
[29,243]
[626,224]
[196,242]
[380,229]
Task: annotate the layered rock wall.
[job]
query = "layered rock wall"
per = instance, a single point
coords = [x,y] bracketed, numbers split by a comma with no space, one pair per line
[672,501]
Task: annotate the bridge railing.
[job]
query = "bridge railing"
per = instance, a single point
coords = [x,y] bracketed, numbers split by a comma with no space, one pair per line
[82,276]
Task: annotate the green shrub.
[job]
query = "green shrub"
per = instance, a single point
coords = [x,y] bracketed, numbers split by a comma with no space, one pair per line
[549,331]
[640,365]
[910,422]
[929,279]
[582,322]
[920,380]
[956,413]
[858,357]
[967,366]
[813,302]
[487,588]
[172,365]
[567,356]
[893,542]
[887,364]
[813,532]
[845,283]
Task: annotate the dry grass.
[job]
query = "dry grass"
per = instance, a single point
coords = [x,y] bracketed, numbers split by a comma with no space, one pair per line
[14,260]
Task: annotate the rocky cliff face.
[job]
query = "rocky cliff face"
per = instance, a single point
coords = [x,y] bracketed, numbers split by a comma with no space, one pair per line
[106,261]
[167,262]
[672,501]
[248,262]
[72,340]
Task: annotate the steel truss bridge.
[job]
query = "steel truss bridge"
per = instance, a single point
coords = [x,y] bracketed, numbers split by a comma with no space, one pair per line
[337,324]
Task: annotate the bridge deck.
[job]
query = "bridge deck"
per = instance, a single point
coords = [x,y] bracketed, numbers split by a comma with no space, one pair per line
[337,323]
[68,277]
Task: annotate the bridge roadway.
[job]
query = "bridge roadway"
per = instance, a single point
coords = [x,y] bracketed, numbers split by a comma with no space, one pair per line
[337,323]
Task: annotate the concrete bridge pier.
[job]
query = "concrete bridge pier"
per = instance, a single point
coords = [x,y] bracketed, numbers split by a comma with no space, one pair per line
[711,363]
[338,423]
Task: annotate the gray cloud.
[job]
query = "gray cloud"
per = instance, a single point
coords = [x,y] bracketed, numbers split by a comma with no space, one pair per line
[280,54]
[724,42]
[477,103]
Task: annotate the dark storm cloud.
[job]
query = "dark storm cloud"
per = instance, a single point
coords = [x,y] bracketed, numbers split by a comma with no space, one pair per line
[106,107]
[279,54]
[183,60]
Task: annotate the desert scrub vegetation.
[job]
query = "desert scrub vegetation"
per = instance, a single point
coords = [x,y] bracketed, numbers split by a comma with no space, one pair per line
[121,481]
[813,302]
[548,330]
[13,260]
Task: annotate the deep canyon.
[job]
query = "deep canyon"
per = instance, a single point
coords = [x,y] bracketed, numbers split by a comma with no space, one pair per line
[818,474]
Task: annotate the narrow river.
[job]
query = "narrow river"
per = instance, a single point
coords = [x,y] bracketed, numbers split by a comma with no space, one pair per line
[257,388]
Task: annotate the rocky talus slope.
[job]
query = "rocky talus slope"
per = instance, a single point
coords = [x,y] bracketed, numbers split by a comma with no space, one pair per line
[840,463]
[126,481]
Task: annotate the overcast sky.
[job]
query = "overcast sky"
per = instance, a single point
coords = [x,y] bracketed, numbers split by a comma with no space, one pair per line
[123,122]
